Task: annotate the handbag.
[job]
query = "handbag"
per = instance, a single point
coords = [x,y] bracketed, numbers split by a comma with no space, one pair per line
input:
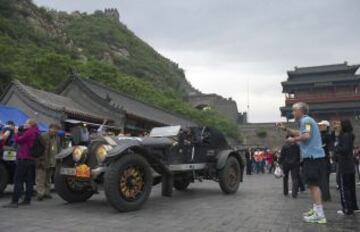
[278,173]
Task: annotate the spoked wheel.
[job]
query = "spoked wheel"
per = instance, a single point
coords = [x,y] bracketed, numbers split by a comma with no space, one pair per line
[128,182]
[132,183]
[229,176]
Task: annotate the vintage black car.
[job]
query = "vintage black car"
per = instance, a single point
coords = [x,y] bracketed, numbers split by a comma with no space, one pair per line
[128,167]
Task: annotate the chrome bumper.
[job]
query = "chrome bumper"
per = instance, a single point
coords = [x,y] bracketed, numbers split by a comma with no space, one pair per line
[72,171]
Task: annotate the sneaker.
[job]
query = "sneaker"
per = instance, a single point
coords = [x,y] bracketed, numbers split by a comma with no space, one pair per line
[315,219]
[309,213]
[340,212]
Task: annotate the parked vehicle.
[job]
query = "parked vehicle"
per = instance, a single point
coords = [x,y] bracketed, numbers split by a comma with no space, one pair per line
[128,167]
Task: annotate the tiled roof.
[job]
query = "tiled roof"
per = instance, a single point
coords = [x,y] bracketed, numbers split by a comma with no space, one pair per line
[320,74]
[134,106]
[56,102]
[324,68]
[318,79]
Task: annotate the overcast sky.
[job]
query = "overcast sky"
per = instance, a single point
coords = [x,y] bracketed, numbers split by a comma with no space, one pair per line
[227,45]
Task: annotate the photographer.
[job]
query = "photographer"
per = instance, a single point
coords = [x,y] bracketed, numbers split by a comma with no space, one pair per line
[25,164]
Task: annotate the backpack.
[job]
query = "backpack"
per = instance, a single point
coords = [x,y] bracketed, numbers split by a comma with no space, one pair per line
[38,148]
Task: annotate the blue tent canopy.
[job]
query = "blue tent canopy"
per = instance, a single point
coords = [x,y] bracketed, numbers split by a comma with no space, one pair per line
[8,113]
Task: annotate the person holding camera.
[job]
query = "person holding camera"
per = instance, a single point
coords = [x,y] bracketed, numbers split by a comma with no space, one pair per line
[25,164]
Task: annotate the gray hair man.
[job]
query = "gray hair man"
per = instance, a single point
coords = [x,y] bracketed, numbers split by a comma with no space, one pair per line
[309,138]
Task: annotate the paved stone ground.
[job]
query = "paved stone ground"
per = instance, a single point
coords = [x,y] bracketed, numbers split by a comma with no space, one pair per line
[258,206]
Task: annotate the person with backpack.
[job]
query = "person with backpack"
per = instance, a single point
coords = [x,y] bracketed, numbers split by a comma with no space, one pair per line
[45,164]
[25,138]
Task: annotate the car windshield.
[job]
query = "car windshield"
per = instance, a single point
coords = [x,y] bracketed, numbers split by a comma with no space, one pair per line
[168,131]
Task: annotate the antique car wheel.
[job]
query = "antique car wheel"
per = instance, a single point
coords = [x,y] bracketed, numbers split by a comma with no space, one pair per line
[128,182]
[181,184]
[229,176]
[64,186]
[4,177]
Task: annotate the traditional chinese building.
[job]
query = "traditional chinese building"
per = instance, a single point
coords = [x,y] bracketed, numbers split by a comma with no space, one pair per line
[332,91]
[131,114]
[91,103]
[50,108]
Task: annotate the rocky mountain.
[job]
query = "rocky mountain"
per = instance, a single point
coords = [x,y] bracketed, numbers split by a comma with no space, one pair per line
[40,46]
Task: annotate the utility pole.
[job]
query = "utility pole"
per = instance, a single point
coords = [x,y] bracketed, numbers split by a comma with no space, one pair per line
[248,100]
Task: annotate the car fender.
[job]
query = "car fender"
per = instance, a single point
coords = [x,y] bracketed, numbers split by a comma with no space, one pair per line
[136,146]
[121,148]
[223,156]
[64,153]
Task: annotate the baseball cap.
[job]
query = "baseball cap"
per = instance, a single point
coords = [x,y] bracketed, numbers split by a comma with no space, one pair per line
[324,122]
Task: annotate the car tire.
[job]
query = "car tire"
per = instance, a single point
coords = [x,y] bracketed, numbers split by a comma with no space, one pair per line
[128,183]
[229,176]
[181,184]
[64,190]
[4,177]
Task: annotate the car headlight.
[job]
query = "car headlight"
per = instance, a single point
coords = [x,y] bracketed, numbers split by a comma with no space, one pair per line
[101,152]
[79,153]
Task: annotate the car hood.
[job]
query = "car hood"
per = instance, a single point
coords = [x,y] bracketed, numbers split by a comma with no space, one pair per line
[144,141]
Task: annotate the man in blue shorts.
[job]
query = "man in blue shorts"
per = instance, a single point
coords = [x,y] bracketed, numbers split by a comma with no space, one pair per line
[309,138]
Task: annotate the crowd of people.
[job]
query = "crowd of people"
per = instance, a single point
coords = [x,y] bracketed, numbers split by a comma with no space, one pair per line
[35,159]
[36,154]
[310,154]
[260,160]
[315,149]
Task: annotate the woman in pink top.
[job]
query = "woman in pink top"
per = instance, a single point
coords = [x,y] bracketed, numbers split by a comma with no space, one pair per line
[25,164]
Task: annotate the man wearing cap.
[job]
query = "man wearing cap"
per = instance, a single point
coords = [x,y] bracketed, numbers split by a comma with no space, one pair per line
[327,145]
[309,138]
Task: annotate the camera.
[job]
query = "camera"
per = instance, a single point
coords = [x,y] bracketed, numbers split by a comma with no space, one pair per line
[21,129]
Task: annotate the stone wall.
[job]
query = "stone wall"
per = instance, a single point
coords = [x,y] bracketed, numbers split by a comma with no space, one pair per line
[275,137]
[226,107]
[113,13]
